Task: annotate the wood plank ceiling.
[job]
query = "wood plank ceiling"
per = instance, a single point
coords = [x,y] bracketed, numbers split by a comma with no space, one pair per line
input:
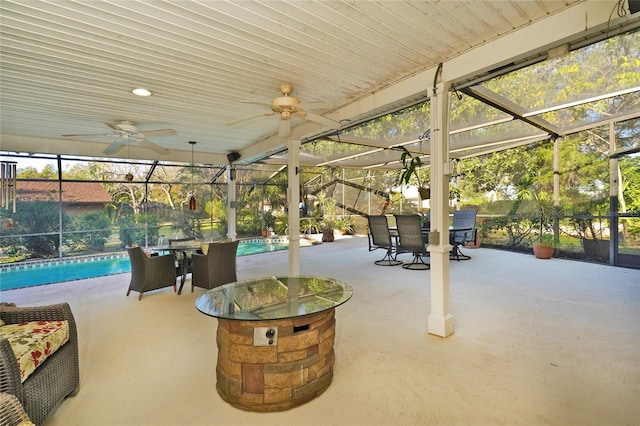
[68,67]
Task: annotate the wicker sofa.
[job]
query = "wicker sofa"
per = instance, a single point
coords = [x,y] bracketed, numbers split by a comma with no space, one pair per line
[53,380]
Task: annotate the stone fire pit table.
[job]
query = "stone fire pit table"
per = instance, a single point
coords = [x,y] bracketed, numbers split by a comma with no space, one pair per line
[275,339]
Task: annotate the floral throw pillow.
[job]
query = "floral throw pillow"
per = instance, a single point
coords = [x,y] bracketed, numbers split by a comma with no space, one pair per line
[34,341]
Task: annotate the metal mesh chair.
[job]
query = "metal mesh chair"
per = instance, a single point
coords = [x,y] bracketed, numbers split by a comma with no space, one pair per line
[411,240]
[462,219]
[215,268]
[150,273]
[381,238]
[55,379]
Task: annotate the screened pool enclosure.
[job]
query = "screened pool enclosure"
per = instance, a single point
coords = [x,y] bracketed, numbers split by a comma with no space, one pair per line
[548,147]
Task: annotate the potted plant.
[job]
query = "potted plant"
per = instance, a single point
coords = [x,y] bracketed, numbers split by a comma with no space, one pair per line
[410,166]
[544,247]
[268,223]
[327,230]
[343,225]
[327,220]
[591,230]
[481,232]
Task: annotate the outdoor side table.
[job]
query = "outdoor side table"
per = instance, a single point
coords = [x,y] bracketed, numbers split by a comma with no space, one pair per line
[275,339]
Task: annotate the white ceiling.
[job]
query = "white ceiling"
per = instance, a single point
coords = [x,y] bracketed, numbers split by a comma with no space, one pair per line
[68,67]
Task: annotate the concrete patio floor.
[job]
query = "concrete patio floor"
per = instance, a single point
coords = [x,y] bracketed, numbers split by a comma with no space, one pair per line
[536,342]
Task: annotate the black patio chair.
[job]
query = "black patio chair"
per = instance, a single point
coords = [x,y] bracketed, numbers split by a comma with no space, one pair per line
[381,238]
[465,220]
[412,240]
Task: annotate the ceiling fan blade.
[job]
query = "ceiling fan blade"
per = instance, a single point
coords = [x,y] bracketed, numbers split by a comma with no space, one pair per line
[322,120]
[284,128]
[159,132]
[153,146]
[245,119]
[87,135]
[115,146]
[113,126]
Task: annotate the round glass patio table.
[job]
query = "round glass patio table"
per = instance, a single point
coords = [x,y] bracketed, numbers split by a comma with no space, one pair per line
[275,339]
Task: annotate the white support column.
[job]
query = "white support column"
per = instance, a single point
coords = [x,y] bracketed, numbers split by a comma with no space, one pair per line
[556,187]
[293,200]
[231,204]
[614,198]
[556,172]
[440,321]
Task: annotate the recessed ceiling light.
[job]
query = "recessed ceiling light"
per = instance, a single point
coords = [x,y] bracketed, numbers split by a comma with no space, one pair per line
[141,92]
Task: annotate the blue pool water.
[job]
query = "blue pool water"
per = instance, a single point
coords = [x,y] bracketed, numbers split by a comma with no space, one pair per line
[39,273]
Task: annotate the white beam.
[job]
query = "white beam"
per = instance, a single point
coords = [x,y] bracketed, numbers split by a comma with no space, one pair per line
[577,22]
[36,144]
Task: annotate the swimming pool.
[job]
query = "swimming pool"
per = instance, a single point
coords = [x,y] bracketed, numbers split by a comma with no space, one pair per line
[30,274]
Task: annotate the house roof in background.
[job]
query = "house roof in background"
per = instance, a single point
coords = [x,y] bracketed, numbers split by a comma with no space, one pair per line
[72,192]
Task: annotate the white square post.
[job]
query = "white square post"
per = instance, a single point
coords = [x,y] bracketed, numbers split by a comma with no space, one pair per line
[440,321]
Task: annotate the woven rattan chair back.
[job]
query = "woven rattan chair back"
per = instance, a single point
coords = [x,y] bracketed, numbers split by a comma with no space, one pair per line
[150,273]
[215,268]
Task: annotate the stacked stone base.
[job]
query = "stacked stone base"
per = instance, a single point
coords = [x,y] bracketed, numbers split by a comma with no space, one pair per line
[280,377]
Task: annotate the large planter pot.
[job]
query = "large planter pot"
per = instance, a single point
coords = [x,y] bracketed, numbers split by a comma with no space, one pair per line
[542,251]
[596,248]
[474,245]
[425,193]
[327,235]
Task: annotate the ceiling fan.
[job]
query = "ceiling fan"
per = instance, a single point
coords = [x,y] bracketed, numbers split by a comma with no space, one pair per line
[125,132]
[287,106]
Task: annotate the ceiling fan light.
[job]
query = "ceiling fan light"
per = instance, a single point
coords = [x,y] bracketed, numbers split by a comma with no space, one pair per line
[141,91]
[285,101]
[285,115]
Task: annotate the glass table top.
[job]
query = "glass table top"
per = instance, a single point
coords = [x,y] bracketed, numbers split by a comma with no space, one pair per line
[270,298]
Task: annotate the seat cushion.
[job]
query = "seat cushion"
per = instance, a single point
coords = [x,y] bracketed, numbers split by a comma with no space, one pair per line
[34,341]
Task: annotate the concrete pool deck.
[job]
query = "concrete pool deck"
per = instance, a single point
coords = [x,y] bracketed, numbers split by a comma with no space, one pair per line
[536,342]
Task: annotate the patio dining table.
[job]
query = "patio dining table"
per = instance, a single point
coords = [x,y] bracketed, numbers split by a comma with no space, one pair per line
[183,262]
[455,250]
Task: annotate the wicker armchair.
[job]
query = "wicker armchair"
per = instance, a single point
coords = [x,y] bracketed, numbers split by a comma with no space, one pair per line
[215,268]
[150,273]
[12,412]
[53,380]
